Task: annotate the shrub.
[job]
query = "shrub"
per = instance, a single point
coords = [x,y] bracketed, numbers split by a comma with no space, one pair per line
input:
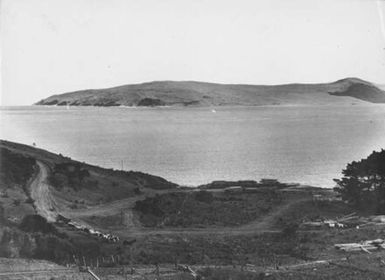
[57,180]
[71,174]
[149,206]
[36,223]
[204,196]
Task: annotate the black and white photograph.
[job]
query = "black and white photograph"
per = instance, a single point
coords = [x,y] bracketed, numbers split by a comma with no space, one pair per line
[192,139]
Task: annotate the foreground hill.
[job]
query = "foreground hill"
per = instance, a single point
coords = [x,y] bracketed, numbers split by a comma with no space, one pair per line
[113,220]
[190,93]
[76,185]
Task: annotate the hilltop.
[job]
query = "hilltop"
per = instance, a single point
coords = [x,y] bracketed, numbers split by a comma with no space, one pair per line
[191,93]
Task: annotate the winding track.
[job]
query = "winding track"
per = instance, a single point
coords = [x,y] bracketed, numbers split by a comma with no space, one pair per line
[43,200]
[46,206]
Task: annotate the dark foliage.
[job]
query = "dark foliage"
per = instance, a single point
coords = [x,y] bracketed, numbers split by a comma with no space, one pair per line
[150,102]
[15,168]
[72,175]
[363,183]
[225,184]
[149,206]
[36,223]
[204,196]
[204,208]
[50,247]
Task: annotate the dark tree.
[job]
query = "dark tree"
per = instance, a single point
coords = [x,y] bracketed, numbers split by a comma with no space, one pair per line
[363,183]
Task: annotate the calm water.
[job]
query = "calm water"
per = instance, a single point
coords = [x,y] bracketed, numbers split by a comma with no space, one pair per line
[309,145]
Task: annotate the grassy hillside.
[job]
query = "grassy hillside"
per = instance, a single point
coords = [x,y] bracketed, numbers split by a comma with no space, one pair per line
[190,93]
[246,234]
[67,167]
[74,187]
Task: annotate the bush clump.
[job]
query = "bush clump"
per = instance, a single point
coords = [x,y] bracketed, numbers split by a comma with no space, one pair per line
[72,175]
[36,223]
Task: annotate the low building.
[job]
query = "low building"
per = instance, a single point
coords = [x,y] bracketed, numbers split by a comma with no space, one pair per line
[233,189]
[269,182]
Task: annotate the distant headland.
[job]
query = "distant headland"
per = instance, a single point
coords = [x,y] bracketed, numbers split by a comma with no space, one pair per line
[201,94]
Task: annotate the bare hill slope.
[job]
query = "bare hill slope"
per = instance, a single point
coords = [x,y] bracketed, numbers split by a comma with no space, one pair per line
[190,93]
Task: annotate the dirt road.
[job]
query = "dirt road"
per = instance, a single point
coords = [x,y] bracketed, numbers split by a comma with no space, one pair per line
[47,207]
[40,193]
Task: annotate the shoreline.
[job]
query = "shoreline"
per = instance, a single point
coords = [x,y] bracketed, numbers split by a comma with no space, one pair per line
[198,186]
[209,107]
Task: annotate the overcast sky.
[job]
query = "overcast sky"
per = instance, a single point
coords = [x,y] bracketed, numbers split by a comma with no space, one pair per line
[56,46]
